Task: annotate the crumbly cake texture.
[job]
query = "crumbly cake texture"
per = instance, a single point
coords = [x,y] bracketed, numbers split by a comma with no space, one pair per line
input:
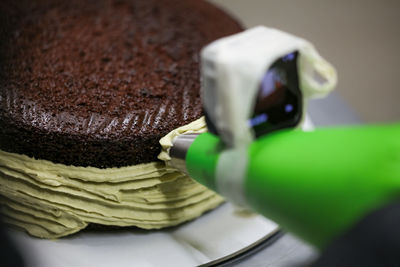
[98,83]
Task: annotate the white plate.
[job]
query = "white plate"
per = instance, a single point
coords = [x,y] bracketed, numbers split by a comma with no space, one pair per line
[215,236]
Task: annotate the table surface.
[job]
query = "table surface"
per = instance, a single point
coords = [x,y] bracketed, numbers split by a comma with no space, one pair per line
[285,250]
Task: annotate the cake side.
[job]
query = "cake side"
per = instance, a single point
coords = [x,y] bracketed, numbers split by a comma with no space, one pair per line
[98,83]
[51,200]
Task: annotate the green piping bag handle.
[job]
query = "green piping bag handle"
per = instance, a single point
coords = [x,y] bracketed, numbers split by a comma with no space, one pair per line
[315,184]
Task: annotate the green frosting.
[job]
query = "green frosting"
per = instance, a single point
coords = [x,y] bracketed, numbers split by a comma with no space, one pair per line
[51,200]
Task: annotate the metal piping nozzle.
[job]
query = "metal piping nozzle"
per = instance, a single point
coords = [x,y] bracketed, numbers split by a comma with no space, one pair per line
[180,146]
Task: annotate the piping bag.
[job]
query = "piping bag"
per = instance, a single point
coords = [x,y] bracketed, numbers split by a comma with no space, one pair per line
[315,184]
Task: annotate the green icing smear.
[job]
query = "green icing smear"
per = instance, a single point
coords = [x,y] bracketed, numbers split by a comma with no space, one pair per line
[51,200]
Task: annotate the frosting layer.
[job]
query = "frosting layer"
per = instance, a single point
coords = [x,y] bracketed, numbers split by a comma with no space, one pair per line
[51,200]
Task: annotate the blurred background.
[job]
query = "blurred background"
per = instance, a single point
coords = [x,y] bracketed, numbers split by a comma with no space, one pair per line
[359,37]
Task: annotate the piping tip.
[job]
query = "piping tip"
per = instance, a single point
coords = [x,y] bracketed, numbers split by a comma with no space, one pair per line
[178,151]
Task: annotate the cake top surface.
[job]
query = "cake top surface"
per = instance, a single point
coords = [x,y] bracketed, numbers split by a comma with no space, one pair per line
[104,69]
[110,58]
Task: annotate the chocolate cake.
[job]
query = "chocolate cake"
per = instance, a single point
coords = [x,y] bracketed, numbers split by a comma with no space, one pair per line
[98,83]
[87,89]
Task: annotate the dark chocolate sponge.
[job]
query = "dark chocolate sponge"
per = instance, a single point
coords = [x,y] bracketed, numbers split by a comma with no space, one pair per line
[98,83]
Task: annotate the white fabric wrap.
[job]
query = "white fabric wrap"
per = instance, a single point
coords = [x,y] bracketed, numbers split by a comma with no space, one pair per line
[231,71]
